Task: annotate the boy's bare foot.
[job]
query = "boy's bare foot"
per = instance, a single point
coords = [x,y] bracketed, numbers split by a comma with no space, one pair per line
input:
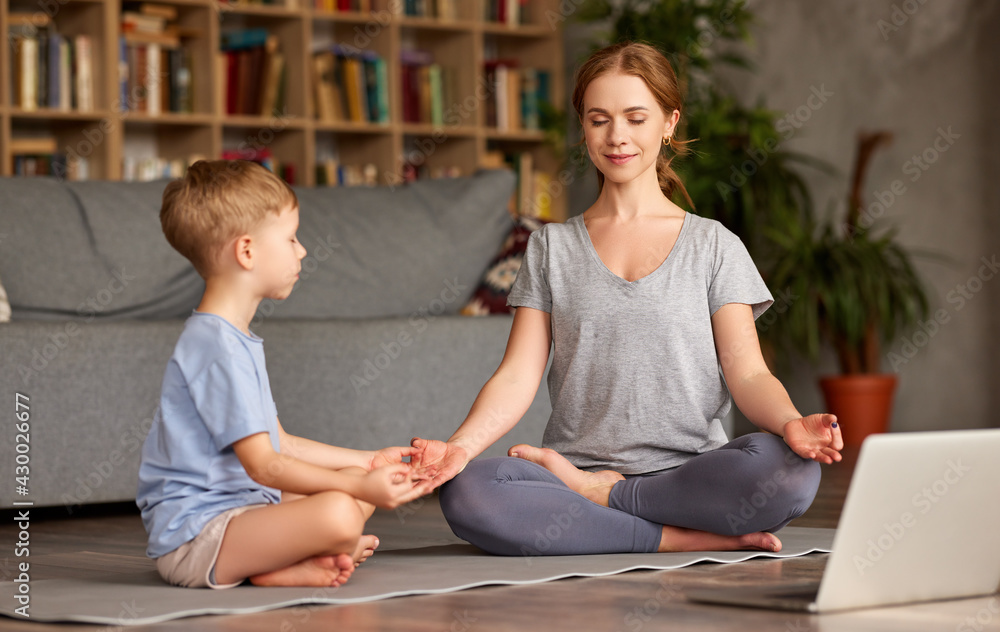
[679,539]
[322,570]
[595,486]
[366,547]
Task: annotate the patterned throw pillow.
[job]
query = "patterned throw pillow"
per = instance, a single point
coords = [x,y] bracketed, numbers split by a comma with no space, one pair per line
[491,294]
[4,305]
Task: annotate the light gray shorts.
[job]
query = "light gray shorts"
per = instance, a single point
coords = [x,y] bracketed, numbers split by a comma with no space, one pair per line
[192,563]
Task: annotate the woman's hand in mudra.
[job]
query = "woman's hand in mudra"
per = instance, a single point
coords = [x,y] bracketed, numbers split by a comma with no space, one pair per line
[438,461]
[815,437]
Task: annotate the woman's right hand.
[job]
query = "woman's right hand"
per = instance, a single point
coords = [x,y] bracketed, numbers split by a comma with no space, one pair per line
[438,461]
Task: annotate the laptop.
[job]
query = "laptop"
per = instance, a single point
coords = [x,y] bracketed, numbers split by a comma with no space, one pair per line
[919,524]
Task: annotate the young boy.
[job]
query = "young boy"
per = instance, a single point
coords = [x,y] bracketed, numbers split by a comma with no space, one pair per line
[226,494]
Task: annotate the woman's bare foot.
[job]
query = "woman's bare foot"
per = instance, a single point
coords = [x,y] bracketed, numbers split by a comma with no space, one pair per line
[595,486]
[322,570]
[679,539]
[366,547]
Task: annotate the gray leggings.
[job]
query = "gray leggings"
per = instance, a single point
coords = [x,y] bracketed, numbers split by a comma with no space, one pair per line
[509,506]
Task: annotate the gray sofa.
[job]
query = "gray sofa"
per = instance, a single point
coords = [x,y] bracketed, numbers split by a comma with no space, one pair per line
[368,351]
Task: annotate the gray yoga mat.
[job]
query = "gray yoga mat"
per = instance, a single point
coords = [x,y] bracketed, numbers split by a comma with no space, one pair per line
[138,598]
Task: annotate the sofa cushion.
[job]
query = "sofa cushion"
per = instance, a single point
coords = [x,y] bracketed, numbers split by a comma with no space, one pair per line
[47,261]
[153,279]
[90,250]
[490,296]
[384,251]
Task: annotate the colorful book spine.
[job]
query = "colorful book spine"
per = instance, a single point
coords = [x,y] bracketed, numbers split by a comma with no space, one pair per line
[153,79]
[436,96]
[26,73]
[55,42]
[123,74]
[382,90]
[42,90]
[529,99]
[84,72]
[244,38]
[65,77]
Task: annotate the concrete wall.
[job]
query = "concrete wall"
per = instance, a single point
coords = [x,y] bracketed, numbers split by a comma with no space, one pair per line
[928,80]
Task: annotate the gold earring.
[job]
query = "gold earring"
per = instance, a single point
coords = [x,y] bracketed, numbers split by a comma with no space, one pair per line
[666,142]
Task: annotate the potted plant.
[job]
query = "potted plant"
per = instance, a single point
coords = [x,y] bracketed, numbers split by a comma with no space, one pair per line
[854,290]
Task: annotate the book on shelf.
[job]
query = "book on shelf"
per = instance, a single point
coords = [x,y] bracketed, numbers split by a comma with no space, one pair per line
[273,83]
[420,170]
[41,157]
[427,88]
[530,114]
[154,67]
[142,22]
[253,78]
[166,11]
[382,90]
[152,79]
[349,85]
[264,157]
[287,4]
[36,156]
[149,74]
[154,23]
[331,173]
[517,95]
[440,9]
[532,193]
[154,168]
[65,94]
[25,69]
[509,12]
[542,196]
[341,6]
[49,70]
[326,89]
[83,71]
[357,98]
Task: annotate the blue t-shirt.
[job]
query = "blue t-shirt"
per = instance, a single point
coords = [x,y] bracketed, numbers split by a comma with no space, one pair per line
[215,392]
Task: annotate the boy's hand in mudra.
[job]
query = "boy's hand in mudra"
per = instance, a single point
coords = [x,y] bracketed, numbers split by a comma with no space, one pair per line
[393,455]
[815,437]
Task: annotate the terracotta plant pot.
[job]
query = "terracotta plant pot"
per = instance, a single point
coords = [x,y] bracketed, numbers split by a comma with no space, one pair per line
[862,403]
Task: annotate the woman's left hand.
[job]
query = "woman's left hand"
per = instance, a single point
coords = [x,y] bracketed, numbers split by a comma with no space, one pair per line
[815,437]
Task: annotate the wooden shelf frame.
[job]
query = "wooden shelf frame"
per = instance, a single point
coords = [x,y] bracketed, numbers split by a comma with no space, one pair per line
[297,136]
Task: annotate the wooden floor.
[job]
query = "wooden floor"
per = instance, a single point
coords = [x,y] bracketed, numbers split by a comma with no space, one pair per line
[637,601]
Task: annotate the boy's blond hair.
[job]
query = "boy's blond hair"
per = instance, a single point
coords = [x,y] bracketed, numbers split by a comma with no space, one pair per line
[217,201]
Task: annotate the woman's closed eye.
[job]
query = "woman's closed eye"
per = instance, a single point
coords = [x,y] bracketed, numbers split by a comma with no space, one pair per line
[632,121]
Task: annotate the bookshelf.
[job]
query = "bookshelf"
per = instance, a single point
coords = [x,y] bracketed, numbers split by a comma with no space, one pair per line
[452,135]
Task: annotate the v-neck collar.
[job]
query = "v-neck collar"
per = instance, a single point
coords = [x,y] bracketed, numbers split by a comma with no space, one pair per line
[585,236]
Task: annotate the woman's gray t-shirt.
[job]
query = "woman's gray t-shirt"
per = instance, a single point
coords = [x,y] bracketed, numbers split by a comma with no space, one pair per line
[635,381]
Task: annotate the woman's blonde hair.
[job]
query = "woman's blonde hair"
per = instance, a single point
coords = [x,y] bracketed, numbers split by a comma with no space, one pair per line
[650,65]
[217,201]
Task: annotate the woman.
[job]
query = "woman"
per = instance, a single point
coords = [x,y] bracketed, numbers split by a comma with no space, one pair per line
[642,303]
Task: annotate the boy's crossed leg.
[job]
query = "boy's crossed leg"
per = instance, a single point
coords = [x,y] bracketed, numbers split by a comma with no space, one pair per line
[313,540]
